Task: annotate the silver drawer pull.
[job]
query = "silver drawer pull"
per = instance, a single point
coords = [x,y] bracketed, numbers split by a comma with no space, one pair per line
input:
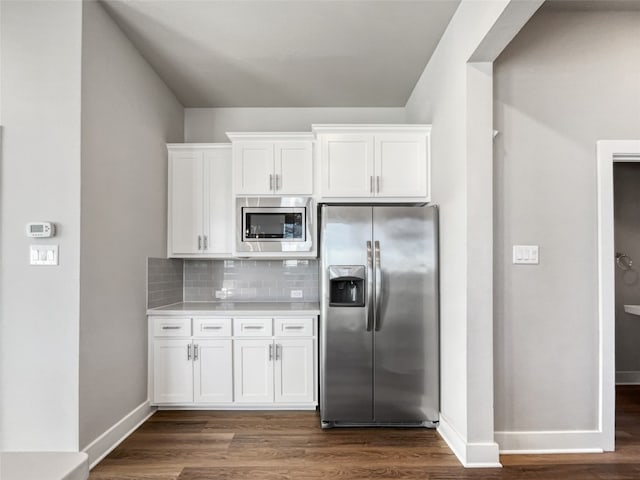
[171,327]
[294,327]
[212,327]
[253,327]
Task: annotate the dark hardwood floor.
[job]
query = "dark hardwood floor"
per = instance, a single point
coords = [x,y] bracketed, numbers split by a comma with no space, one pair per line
[194,445]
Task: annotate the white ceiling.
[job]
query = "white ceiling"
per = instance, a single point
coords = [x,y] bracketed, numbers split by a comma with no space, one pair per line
[289,53]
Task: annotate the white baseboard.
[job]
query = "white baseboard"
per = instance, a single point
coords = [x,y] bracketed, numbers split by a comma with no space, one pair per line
[471,455]
[105,443]
[569,441]
[628,378]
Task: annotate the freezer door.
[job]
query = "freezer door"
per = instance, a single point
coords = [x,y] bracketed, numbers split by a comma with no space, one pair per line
[406,369]
[346,346]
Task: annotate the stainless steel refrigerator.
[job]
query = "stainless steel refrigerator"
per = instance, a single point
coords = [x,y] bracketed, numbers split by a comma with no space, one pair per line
[379,355]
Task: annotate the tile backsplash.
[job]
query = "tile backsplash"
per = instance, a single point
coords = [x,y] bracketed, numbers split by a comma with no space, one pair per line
[250,280]
[164,281]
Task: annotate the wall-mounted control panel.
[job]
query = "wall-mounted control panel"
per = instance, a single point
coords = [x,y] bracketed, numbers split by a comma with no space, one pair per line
[41,229]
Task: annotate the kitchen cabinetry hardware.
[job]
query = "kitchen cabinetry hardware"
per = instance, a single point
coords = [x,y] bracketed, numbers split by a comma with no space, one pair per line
[195,352]
[377,183]
[371,184]
[206,242]
[253,327]
[199,242]
[270,351]
[278,351]
[277,182]
[294,327]
[171,327]
[212,327]
[189,352]
[271,182]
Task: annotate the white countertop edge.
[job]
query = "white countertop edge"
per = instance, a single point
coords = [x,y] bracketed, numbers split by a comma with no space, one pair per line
[259,309]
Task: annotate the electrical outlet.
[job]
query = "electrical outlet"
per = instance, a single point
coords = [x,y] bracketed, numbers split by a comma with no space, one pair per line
[296,293]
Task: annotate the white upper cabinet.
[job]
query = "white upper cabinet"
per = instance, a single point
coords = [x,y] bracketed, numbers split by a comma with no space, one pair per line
[200,211]
[374,162]
[272,163]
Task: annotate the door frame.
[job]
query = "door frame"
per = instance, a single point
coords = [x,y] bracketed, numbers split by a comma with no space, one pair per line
[608,152]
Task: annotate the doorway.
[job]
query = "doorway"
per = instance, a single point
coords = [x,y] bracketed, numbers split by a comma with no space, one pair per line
[609,152]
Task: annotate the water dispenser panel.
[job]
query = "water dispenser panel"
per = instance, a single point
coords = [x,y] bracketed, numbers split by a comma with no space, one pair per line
[347,284]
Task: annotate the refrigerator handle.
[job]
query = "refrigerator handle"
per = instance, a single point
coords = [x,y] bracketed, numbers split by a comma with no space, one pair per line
[369,313]
[378,311]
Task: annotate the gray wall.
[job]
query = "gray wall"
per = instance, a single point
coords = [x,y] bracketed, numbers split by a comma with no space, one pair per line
[210,124]
[128,114]
[569,79]
[626,195]
[39,180]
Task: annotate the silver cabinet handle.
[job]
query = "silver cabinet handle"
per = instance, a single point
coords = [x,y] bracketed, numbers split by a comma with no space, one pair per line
[206,242]
[252,327]
[378,310]
[277,181]
[171,327]
[377,184]
[195,352]
[270,351]
[270,181]
[212,327]
[278,348]
[369,316]
[189,352]
[294,327]
[371,184]
[199,242]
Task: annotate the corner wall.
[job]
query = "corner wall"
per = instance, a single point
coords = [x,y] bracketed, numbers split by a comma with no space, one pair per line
[40,79]
[569,78]
[128,115]
[454,94]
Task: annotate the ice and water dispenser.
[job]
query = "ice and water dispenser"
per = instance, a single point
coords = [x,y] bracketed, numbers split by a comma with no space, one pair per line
[346,285]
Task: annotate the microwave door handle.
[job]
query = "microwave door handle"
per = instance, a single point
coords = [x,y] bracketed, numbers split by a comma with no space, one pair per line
[369,309]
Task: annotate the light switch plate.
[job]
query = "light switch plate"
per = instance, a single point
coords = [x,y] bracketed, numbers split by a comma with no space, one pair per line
[43,255]
[296,293]
[526,255]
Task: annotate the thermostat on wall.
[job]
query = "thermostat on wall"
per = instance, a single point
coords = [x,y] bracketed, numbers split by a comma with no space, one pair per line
[41,229]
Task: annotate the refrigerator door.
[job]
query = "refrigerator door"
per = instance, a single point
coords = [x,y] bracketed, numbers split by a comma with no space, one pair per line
[346,346]
[406,369]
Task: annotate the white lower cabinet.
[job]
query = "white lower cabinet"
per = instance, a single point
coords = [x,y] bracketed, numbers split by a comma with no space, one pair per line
[233,363]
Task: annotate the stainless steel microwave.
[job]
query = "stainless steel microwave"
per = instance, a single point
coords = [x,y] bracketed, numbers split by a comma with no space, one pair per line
[275,226]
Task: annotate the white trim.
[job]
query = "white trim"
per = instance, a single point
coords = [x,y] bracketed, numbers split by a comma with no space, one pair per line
[271,136]
[568,441]
[370,128]
[197,146]
[470,455]
[608,152]
[627,378]
[105,443]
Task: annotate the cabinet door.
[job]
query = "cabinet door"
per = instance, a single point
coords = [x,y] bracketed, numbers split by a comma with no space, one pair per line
[172,371]
[185,202]
[401,165]
[217,200]
[212,371]
[294,370]
[346,165]
[253,371]
[253,168]
[293,168]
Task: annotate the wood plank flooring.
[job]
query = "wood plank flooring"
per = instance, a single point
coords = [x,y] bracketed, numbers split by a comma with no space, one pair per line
[197,445]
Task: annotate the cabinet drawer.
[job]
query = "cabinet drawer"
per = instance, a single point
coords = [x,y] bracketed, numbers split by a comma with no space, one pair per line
[171,327]
[252,327]
[211,327]
[293,327]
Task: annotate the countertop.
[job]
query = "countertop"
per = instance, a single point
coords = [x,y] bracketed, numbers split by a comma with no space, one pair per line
[238,308]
